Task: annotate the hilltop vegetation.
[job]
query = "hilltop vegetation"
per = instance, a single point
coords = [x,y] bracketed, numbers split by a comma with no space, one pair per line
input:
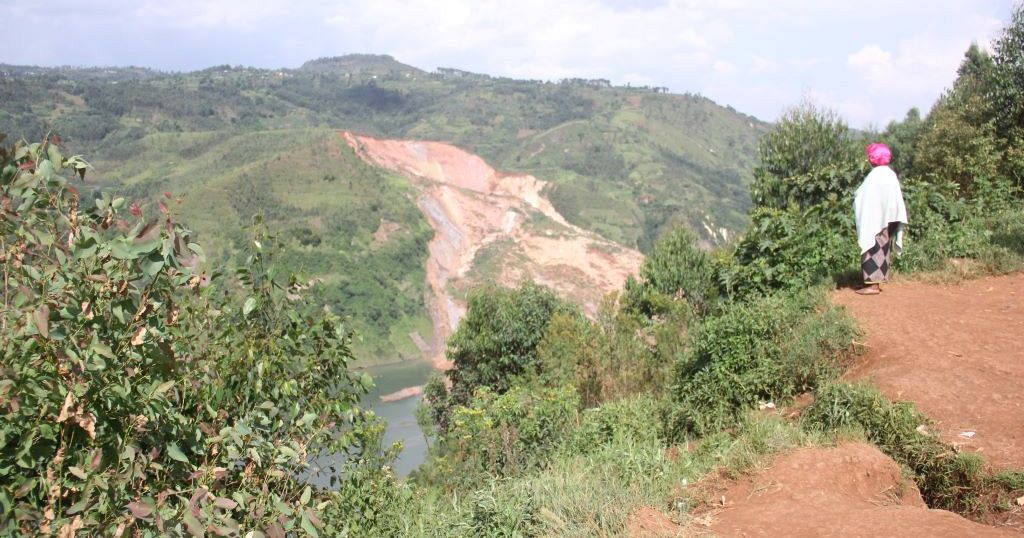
[626,163]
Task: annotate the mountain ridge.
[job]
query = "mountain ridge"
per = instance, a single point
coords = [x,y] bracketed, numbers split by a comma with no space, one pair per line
[623,163]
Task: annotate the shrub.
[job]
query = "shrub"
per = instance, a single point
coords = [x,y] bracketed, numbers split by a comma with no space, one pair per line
[138,395]
[792,248]
[504,434]
[768,349]
[802,229]
[605,359]
[806,159]
[675,269]
[497,340]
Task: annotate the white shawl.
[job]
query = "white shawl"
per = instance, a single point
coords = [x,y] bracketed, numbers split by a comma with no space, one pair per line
[879,201]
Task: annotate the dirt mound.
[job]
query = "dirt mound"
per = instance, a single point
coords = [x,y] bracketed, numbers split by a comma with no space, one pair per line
[650,523]
[472,207]
[957,352]
[850,491]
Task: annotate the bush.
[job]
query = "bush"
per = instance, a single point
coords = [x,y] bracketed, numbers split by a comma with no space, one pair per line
[802,226]
[605,359]
[139,395]
[947,479]
[768,349]
[675,270]
[808,158]
[504,434]
[792,248]
[497,341]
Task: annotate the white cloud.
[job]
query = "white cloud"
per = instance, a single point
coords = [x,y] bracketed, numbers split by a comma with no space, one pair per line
[724,68]
[756,56]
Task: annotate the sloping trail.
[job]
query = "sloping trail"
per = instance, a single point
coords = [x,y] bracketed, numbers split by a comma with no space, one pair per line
[851,491]
[955,351]
[472,207]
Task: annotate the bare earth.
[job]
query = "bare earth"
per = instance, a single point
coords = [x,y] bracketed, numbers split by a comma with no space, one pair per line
[471,207]
[957,352]
[850,491]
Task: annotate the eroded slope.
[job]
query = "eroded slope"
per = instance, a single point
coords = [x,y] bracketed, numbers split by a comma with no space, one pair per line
[493,227]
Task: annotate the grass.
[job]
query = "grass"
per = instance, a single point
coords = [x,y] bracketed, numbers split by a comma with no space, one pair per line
[957,481]
[768,349]
[595,481]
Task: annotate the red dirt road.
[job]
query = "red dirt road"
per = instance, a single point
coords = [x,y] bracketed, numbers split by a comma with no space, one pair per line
[850,491]
[957,352]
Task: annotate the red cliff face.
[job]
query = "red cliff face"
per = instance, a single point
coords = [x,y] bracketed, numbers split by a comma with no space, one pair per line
[472,207]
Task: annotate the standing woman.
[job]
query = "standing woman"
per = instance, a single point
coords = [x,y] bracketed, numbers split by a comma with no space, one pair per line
[881,214]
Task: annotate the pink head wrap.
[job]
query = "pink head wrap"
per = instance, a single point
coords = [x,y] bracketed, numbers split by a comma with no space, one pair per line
[879,154]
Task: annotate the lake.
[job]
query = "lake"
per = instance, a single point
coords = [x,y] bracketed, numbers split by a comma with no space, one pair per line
[400,415]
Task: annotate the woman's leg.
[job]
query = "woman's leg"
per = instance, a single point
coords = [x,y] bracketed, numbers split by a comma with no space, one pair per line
[875,263]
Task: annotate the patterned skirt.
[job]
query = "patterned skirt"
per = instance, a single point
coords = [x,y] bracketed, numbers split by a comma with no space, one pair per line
[877,261]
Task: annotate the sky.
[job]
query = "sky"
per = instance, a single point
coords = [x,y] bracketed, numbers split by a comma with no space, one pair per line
[870,61]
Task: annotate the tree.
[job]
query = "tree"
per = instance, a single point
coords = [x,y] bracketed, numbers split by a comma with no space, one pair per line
[902,137]
[959,142]
[1007,94]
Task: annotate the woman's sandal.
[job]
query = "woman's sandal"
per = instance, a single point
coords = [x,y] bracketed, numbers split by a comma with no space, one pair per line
[869,290]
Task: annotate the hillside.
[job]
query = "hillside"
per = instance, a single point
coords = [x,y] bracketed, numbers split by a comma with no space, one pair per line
[624,163]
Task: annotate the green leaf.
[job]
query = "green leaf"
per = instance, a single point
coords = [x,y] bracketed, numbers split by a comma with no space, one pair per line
[164,387]
[41,317]
[152,264]
[78,472]
[306,494]
[175,453]
[102,349]
[249,306]
[192,525]
[45,170]
[307,526]
[53,152]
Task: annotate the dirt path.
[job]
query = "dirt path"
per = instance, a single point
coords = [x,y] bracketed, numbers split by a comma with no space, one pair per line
[850,491]
[957,352]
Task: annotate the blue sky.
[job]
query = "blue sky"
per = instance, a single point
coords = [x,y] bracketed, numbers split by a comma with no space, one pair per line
[870,61]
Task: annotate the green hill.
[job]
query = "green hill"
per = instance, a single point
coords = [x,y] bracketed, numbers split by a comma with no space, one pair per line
[624,162]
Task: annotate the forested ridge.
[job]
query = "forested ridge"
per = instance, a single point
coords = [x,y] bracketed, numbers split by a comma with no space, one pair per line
[627,163]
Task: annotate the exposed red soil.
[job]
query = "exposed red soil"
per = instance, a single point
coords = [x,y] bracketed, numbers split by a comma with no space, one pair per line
[650,523]
[850,491]
[471,206]
[956,352]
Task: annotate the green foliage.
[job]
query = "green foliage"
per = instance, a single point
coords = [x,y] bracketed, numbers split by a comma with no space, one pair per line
[807,159]
[1008,78]
[955,146]
[676,269]
[987,228]
[768,349]
[497,340]
[792,248]
[801,229]
[504,434]
[947,479]
[902,138]
[139,395]
[606,359]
